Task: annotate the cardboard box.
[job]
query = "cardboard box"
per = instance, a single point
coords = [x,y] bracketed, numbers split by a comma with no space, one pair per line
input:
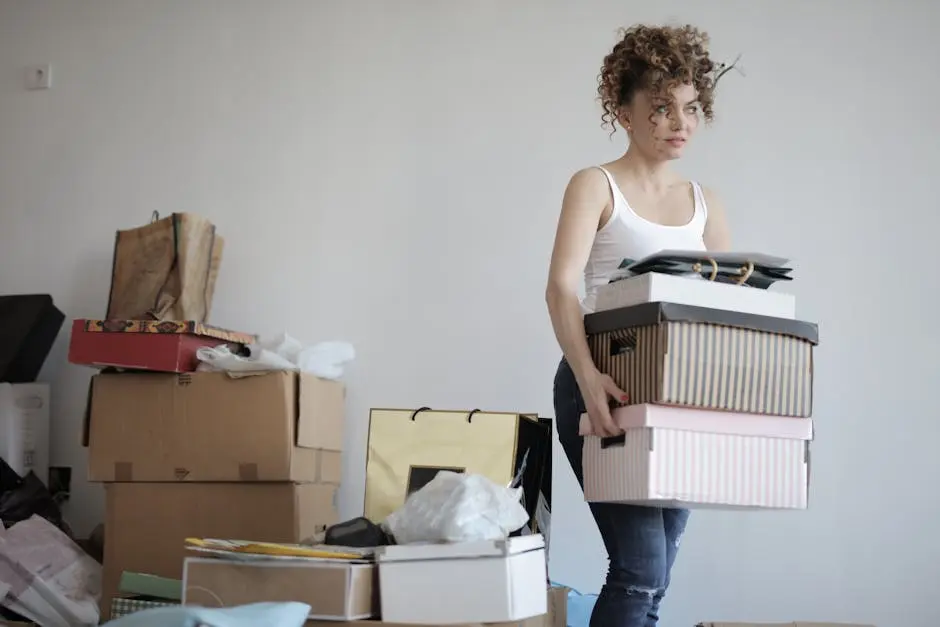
[334,590]
[676,457]
[709,358]
[209,426]
[146,524]
[656,287]
[468,582]
[156,345]
[24,428]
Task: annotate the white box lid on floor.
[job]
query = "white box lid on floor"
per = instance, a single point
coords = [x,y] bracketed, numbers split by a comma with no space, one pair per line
[468,582]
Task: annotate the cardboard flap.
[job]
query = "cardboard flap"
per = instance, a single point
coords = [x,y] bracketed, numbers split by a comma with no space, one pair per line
[321,411]
[86,419]
[647,314]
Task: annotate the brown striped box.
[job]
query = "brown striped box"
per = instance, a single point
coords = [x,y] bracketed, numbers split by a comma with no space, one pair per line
[709,358]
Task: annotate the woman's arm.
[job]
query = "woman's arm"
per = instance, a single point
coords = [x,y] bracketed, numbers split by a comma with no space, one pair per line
[717,234]
[586,201]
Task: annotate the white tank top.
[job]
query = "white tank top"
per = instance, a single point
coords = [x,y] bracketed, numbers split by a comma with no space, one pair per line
[628,236]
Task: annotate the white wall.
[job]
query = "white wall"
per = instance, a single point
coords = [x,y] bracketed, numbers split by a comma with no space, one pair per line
[390,173]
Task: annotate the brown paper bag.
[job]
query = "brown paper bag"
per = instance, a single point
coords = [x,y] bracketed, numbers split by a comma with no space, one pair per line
[165,270]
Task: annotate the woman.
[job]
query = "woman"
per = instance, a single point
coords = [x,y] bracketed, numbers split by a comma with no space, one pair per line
[657,84]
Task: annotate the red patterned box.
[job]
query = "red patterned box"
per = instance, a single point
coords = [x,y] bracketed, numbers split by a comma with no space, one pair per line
[162,346]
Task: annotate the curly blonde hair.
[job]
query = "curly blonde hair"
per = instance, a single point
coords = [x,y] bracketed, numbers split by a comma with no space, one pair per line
[658,58]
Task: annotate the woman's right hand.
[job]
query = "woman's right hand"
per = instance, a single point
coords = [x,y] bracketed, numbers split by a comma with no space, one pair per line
[598,389]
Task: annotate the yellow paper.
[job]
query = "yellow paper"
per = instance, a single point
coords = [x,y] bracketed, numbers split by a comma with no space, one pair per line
[271,548]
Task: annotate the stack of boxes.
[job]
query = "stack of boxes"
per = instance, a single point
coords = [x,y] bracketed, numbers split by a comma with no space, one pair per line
[185,453]
[205,454]
[720,386]
[499,582]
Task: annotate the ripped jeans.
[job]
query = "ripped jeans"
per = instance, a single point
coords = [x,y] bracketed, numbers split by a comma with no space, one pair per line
[641,542]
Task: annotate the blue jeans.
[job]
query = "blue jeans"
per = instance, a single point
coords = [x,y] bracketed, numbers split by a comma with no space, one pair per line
[641,542]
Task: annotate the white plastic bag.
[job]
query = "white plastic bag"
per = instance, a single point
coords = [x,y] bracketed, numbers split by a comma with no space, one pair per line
[456,507]
[325,360]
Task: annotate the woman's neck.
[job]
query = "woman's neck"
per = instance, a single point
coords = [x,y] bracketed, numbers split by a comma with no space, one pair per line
[648,174]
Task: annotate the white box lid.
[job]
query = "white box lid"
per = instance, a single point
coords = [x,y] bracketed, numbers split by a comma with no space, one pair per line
[706,421]
[459,550]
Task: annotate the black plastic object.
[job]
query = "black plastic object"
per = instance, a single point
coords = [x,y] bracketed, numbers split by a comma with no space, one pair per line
[29,325]
[21,499]
[358,532]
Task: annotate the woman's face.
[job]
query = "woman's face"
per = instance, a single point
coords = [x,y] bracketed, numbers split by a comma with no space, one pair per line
[661,125]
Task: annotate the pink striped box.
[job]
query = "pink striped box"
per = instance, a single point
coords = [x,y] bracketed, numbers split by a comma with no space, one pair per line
[679,457]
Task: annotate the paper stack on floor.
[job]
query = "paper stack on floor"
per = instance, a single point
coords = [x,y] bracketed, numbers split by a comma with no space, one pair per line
[720,400]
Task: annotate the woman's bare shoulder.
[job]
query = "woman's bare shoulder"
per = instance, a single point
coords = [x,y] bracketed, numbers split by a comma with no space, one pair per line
[587,189]
[591,176]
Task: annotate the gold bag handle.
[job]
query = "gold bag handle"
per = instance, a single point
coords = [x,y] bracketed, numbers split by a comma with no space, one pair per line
[744,272]
[697,268]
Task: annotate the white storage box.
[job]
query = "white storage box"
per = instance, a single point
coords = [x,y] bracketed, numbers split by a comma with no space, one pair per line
[467,582]
[24,428]
[678,457]
[654,287]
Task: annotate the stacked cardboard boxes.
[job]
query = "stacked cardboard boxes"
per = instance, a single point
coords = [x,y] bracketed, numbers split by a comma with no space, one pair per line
[501,581]
[720,385]
[209,455]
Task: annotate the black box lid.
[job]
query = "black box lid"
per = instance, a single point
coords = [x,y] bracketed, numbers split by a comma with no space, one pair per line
[646,314]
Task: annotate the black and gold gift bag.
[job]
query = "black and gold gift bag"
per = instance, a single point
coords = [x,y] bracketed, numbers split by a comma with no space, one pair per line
[748,269]
[408,447]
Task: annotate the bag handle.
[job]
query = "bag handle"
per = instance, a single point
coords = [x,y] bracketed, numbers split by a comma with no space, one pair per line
[470,413]
[697,268]
[744,272]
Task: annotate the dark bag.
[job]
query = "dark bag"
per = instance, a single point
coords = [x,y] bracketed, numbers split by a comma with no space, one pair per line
[165,270]
[29,325]
[756,271]
[21,499]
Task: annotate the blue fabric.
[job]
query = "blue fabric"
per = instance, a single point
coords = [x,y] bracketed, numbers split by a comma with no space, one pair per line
[641,542]
[267,614]
[580,606]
